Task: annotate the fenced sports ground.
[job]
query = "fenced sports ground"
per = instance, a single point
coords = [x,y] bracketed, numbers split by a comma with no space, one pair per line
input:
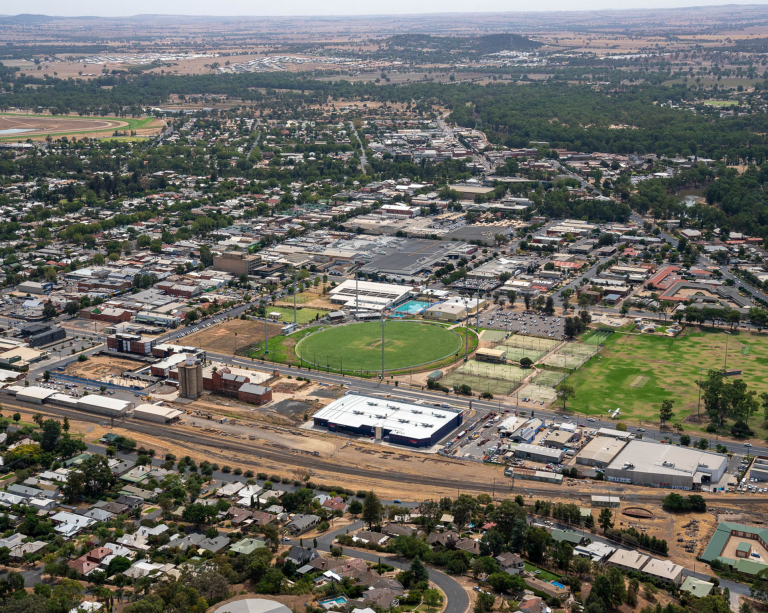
[498,379]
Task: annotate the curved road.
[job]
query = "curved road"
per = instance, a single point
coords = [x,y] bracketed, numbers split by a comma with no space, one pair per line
[456,597]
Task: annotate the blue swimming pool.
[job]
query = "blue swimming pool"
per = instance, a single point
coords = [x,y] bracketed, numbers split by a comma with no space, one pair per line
[338,601]
[556,584]
[412,307]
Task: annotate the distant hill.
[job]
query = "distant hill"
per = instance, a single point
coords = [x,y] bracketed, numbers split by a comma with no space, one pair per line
[26,19]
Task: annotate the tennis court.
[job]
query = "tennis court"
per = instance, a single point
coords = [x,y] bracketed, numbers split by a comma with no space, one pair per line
[530,342]
[572,355]
[549,378]
[537,393]
[598,337]
[498,379]
[497,387]
[492,336]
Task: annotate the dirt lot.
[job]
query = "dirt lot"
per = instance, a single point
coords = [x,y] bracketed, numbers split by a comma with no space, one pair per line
[232,337]
[101,367]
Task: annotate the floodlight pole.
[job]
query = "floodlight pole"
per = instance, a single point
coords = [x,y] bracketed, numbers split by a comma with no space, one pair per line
[477,312]
[294,299]
[266,335]
[357,297]
[382,345]
[466,350]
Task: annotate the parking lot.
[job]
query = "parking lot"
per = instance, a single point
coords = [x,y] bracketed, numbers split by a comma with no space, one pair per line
[534,324]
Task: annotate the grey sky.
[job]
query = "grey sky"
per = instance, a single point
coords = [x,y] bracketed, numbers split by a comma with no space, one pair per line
[327,7]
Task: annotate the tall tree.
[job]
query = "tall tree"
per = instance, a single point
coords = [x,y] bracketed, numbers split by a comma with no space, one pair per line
[372,509]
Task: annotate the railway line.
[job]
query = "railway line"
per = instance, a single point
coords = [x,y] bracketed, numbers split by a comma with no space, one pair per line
[307,460]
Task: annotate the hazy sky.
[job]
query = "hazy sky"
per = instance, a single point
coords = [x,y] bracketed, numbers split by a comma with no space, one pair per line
[327,7]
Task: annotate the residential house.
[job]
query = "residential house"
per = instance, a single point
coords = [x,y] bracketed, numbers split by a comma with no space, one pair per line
[511,563]
[302,523]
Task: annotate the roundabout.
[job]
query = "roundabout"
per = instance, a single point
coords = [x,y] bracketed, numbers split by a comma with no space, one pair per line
[357,347]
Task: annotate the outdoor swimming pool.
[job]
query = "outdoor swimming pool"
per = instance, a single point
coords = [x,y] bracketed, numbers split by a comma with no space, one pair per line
[412,307]
[338,601]
[556,584]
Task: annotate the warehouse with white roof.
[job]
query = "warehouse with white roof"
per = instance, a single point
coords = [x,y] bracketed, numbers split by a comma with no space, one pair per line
[657,465]
[398,422]
[156,413]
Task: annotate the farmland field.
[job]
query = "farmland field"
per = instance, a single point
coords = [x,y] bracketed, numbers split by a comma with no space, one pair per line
[635,373]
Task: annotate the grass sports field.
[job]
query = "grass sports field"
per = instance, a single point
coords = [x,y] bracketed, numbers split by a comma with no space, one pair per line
[635,373]
[358,346]
[303,316]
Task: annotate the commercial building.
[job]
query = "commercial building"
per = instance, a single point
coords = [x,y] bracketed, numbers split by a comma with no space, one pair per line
[526,432]
[157,319]
[33,287]
[43,333]
[168,368]
[759,469]
[656,465]
[618,434]
[31,394]
[130,343]
[93,403]
[156,413]
[413,257]
[536,453]
[236,262]
[527,474]
[370,295]
[446,311]
[606,501]
[560,439]
[600,451]
[254,394]
[398,422]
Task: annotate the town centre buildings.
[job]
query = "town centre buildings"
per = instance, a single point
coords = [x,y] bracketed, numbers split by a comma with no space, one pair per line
[397,422]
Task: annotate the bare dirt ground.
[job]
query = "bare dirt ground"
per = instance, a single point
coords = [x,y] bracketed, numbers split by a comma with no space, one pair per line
[235,336]
[100,367]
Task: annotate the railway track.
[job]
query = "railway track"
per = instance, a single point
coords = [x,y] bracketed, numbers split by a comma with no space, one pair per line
[307,460]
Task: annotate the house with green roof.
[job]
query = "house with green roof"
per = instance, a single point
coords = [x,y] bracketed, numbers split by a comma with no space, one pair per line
[247,546]
[696,587]
[570,536]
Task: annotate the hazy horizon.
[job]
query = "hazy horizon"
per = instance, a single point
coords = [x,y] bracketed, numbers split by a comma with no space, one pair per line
[340,8]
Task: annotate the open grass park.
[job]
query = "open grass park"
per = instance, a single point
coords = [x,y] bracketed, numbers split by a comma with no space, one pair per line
[636,372]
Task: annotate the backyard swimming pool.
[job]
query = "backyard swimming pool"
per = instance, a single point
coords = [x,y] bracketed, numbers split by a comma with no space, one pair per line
[338,601]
